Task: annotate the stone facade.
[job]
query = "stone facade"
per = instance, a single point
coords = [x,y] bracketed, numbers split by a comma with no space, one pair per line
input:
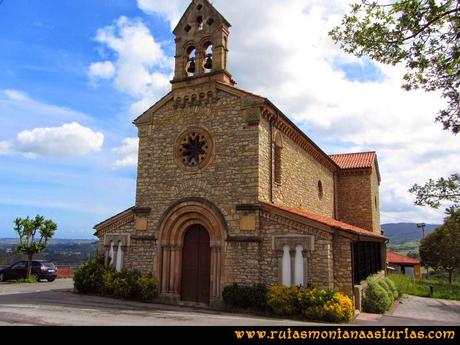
[206,157]
[358,198]
[300,174]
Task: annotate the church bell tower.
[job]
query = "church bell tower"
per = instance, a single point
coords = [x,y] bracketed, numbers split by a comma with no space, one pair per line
[201,46]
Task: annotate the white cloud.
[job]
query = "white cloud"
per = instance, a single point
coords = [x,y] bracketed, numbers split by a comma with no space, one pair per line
[281,49]
[68,140]
[16,104]
[172,9]
[141,68]
[16,95]
[101,70]
[128,152]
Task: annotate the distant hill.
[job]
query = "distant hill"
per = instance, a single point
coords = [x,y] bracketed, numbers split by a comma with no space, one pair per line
[406,232]
[62,252]
[53,241]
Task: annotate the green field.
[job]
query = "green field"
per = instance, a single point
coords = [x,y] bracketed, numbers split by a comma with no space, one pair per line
[405,248]
[421,287]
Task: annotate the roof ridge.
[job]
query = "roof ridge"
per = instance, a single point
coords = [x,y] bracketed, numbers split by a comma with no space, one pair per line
[352,153]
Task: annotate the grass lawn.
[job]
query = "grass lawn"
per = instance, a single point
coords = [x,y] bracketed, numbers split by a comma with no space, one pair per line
[421,287]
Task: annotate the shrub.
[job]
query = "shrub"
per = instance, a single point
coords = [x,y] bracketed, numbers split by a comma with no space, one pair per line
[94,277]
[107,282]
[376,299]
[313,297]
[148,286]
[393,288]
[89,277]
[384,284]
[338,309]
[121,287]
[245,297]
[283,300]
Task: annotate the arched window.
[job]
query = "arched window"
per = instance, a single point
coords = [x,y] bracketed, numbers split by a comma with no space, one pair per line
[207,64]
[191,59]
[299,266]
[286,266]
[277,158]
[320,190]
[119,261]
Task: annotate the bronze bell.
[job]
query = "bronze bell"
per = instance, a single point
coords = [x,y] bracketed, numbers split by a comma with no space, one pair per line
[208,63]
[191,66]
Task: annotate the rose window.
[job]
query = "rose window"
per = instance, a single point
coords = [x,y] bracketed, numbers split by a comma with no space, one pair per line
[194,148]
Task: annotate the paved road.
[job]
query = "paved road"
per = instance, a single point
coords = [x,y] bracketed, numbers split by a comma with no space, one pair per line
[417,311]
[55,304]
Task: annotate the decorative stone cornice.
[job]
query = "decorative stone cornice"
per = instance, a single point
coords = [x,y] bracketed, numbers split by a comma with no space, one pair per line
[142,211]
[144,238]
[247,207]
[256,239]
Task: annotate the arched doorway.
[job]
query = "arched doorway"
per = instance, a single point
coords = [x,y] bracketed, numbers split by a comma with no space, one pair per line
[196,265]
[175,223]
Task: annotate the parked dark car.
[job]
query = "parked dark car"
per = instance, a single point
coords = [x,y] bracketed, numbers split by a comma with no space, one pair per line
[41,269]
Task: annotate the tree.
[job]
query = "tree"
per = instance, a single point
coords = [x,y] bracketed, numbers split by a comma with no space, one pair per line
[423,34]
[441,248]
[27,229]
[444,189]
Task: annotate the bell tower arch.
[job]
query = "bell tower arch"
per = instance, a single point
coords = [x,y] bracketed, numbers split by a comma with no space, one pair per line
[201,45]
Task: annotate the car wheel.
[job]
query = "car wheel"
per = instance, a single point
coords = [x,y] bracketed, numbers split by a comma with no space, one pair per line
[51,279]
[2,277]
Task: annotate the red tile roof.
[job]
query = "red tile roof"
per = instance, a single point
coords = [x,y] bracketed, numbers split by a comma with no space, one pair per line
[355,160]
[326,221]
[395,258]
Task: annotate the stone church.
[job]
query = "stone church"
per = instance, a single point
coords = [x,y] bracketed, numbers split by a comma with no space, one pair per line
[229,190]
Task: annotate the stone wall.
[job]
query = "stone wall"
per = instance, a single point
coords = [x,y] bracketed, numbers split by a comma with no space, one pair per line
[141,255]
[300,175]
[375,201]
[354,199]
[343,279]
[358,198]
[242,263]
[318,270]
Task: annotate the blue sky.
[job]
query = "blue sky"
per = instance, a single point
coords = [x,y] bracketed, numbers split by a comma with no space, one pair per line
[74,74]
[46,48]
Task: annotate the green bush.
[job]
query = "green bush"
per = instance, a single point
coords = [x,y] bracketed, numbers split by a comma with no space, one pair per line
[376,298]
[385,285]
[245,297]
[107,282]
[89,277]
[148,286]
[94,277]
[393,288]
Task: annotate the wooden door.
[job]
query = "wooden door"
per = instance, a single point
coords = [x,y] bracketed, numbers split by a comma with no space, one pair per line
[196,265]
